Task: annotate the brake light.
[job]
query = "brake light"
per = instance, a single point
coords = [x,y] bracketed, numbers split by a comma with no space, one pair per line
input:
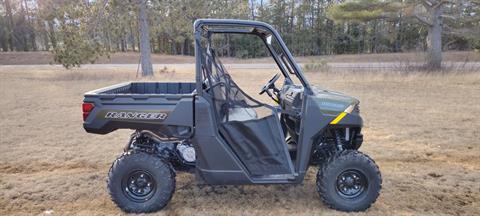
[87,108]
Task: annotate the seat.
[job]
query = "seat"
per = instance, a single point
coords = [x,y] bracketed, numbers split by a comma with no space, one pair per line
[240,114]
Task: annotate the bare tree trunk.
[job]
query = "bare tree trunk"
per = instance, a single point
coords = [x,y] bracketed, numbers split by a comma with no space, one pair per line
[147,69]
[229,48]
[176,49]
[123,44]
[152,45]
[374,39]
[434,39]
[159,43]
[51,34]
[11,26]
[3,42]
[23,35]
[44,33]
[252,9]
[132,37]
[107,41]
[32,30]
[187,44]
[292,15]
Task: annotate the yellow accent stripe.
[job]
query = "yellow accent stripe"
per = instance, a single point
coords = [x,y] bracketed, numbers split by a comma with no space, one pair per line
[338,118]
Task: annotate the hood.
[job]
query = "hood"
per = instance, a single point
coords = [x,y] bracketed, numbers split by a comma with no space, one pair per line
[332,102]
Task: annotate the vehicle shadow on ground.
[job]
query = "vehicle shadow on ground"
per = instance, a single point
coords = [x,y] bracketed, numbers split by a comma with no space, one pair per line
[191,195]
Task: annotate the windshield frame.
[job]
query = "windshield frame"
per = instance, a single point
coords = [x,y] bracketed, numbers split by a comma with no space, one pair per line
[204,28]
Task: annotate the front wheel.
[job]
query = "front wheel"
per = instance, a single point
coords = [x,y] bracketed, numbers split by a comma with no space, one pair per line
[140,182]
[349,181]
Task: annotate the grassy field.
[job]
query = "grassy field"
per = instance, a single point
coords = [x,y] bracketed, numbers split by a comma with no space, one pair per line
[22,58]
[421,129]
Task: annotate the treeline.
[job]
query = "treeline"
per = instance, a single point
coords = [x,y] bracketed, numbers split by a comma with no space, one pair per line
[309,27]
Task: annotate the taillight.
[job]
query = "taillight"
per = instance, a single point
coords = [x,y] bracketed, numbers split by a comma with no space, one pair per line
[87,108]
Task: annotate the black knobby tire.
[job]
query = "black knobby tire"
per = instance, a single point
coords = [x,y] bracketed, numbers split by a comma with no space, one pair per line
[349,181]
[140,182]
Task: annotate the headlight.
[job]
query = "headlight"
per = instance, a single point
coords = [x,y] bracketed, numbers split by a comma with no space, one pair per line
[352,108]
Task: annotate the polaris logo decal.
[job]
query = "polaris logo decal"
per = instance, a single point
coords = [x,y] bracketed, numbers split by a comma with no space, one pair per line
[136,115]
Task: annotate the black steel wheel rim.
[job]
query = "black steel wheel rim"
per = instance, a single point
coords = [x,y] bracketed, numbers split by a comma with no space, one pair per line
[139,186]
[351,184]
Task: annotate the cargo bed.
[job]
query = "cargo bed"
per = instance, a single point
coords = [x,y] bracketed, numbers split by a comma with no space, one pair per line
[165,108]
[133,88]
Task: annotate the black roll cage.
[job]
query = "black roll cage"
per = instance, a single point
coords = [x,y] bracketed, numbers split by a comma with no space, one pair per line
[206,27]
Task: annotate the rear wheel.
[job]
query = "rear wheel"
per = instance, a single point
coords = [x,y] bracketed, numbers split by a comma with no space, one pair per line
[141,182]
[349,181]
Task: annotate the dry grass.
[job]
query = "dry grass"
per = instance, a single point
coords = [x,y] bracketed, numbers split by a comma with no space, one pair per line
[450,56]
[421,129]
[22,58]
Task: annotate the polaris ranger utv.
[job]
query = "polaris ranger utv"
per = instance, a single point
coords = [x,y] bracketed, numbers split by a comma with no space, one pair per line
[214,129]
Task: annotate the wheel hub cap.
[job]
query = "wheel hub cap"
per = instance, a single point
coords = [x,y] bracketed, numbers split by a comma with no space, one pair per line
[139,186]
[351,184]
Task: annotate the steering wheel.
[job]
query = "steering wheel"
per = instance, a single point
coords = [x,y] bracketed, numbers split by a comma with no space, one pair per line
[271,85]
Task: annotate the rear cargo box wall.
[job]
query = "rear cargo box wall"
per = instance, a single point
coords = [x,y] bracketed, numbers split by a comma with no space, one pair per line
[162,88]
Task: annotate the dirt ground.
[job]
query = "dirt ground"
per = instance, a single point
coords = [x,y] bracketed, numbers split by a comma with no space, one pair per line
[422,130]
[29,58]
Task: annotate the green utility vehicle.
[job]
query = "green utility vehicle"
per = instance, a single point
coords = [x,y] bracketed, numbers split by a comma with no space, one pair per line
[215,130]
